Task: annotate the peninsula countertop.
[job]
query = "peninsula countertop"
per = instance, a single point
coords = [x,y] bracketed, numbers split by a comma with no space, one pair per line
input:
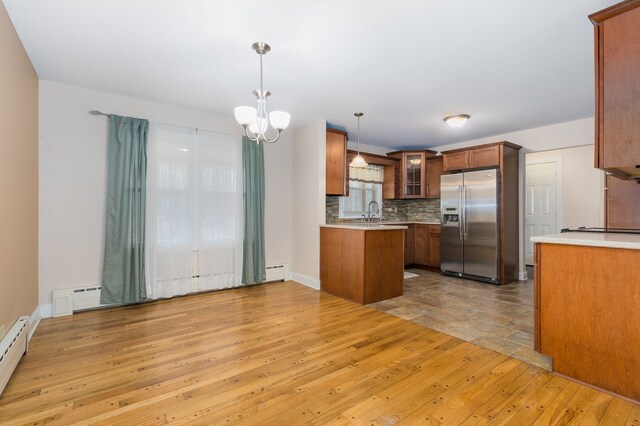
[620,241]
[365,226]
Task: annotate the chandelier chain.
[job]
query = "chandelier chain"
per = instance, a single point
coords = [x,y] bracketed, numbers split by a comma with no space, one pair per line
[261,90]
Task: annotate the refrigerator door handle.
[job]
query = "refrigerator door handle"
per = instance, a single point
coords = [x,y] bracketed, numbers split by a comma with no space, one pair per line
[464,211]
[460,210]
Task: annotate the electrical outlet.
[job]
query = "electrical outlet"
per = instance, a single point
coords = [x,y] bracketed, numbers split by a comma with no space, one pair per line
[1,331]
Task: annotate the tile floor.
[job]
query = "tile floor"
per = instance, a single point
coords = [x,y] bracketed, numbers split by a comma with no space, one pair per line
[495,317]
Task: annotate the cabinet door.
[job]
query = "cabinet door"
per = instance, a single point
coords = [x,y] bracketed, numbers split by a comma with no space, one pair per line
[413,179]
[434,171]
[336,163]
[455,161]
[408,245]
[619,94]
[434,246]
[484,157]
[389,182]
[421,244]
[622,203]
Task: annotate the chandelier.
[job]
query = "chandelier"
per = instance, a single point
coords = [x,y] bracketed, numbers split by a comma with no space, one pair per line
[256,121]
[358,160]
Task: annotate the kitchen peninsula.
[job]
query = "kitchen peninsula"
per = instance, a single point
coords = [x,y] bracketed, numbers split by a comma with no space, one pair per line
[586,308]
[363,263]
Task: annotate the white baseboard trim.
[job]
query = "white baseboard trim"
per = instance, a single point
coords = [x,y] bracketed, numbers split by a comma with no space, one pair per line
[305,280]
[46,311]
[34,320]
[523,276]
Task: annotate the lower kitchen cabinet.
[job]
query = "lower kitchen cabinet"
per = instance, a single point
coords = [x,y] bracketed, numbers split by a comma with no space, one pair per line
[408,245]
[434,246]
[421,244]
[426,245]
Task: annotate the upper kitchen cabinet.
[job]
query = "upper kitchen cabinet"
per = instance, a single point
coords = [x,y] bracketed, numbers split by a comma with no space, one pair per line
[472,158]
[477,157]
[617,64]
[337,167]
[434,171]
[412,173]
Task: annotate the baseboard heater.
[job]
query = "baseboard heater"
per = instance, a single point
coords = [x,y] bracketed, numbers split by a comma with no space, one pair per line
[278,272]
[12,346]
[68,300]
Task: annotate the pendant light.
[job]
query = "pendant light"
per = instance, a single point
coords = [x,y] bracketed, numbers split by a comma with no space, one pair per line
[256,121]
[358,161]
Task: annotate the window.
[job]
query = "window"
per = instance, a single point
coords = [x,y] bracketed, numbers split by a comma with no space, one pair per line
[196,211]
[365,185]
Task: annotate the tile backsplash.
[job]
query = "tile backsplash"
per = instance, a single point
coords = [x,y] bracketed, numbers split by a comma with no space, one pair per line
[392,210]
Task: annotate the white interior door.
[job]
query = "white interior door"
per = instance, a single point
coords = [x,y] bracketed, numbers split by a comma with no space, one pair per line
[541,203]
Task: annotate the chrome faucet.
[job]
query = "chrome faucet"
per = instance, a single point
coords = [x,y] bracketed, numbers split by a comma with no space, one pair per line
[375,203]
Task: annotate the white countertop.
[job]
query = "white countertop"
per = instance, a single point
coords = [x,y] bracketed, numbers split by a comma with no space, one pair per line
[364,226]
[412,222]
[623,241]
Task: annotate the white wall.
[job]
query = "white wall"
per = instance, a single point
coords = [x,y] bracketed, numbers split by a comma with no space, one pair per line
[556,136]
[581,204]
[309,168]
[73,147]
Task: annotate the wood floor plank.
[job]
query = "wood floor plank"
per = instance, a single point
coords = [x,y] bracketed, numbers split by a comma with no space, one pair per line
[279,354]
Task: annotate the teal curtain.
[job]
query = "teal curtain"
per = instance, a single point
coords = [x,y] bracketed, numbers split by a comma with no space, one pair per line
[123,277]
[253,263]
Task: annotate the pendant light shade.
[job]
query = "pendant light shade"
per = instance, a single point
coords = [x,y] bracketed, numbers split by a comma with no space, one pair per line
[358,161]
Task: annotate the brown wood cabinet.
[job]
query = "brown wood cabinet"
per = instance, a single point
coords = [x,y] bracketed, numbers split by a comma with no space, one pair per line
[472,158]
[426,245]
[337,174]
[434,246]
[412,173]
[361,265]
[421,244]
[586,314]
[622,203]
[434,171]
[617,60]
[408,245]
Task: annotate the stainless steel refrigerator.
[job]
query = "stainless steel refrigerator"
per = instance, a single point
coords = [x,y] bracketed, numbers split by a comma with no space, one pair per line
[470,242]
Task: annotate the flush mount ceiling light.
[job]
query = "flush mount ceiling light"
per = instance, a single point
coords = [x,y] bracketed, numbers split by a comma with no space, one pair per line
[256,121]
[457,120]
[358,161]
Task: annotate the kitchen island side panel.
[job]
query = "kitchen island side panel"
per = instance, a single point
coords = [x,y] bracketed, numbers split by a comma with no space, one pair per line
[384,271]
[587,314]
[342,263]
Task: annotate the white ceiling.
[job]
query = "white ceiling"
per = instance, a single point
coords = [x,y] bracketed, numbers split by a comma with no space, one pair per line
[406,64]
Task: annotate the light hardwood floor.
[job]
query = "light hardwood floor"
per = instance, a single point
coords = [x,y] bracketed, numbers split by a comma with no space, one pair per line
[280,354]
[492,316]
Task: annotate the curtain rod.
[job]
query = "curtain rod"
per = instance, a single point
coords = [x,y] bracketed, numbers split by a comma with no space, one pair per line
[96,112]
